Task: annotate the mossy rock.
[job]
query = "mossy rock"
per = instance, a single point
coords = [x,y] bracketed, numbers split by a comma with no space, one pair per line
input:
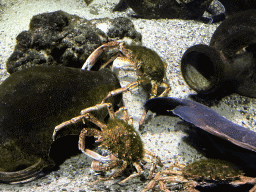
[35,100]
[59,38]
[179,9]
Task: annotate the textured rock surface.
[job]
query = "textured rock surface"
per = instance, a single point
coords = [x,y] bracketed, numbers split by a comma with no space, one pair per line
[34,101]
[182,9]
[63,39]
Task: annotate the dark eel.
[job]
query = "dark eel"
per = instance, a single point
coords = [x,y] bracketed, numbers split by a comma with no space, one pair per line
[233,141]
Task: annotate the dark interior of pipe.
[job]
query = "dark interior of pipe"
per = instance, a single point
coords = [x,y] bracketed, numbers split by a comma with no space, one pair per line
[198,71]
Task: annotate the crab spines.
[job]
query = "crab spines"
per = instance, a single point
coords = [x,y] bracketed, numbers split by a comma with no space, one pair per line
[212,169]
[122,139]
[151,63]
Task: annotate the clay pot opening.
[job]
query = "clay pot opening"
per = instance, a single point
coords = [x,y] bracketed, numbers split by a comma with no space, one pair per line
[201,68]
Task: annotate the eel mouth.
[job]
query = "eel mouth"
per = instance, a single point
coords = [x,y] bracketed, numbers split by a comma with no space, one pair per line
[23,176]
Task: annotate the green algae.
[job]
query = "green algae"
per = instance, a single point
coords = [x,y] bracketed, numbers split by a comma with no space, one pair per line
[122,139]
[152,64]
[35,100]
[212,170]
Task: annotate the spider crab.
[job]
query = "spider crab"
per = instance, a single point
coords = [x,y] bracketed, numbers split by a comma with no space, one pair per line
[117,136]
[147,63]
[202,172]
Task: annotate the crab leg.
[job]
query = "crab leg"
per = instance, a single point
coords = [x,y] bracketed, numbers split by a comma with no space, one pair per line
[88,152]
[167,88]
[111,60]
[125,116]
[98,107]
[94,120]
[66,123]
[158,160]
[155,86]
[139,172]
[88,132]
[95,155]
[85,115]
[153,89]
[96,165]
[142,119]
[125,51]
[95,108]
[91,60]
[153,95]
[152,183]
[160,180]
[124,89]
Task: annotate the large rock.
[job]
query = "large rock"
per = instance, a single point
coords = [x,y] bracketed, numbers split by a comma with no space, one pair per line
[180,9]
[35,100]
[64,39]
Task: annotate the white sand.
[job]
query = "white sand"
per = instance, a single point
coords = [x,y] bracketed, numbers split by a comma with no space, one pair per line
[162,135]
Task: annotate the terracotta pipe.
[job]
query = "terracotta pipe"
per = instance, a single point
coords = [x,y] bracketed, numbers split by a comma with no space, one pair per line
[230,58]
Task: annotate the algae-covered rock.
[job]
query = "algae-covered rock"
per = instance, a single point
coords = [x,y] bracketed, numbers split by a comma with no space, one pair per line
[63,39]
[180,9]
[35,100]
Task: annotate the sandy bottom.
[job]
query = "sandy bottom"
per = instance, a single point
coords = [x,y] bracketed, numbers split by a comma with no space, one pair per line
[164,136]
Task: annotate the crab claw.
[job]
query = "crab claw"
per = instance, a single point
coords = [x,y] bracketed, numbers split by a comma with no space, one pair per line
[96,156]
[91,60]
[95,55]
[86,66]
